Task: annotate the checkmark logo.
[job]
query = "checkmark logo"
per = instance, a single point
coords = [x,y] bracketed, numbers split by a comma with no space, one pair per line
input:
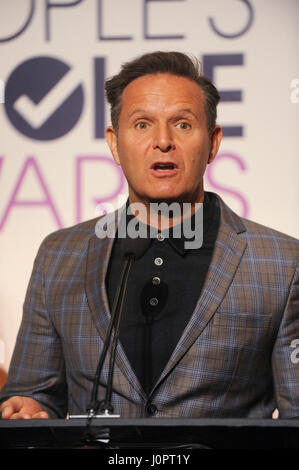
[44,98]
[37,114]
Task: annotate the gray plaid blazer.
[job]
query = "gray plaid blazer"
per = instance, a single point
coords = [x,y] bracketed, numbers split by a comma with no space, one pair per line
[235,358]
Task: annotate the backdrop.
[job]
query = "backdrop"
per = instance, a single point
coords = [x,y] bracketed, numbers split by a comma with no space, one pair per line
[55,167]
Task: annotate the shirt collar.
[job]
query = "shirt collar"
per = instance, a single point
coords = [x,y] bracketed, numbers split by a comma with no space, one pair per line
[210,221]
[208,211]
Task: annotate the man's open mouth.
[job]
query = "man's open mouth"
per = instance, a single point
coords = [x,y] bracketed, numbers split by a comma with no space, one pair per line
[163,166]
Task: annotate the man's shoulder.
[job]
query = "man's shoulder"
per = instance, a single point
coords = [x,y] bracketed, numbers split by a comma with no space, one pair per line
[75,235]
[266,239]
[270,241]
[256,229]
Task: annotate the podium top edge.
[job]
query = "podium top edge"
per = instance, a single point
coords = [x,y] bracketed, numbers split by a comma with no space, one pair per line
[152,422]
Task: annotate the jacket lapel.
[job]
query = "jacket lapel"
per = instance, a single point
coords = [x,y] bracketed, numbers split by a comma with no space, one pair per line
[98,255]
[227,254]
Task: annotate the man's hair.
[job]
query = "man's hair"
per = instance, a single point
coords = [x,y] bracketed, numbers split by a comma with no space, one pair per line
[175,63]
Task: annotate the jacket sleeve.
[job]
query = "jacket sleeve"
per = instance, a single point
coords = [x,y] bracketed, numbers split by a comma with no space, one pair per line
[285,357]
[37,366]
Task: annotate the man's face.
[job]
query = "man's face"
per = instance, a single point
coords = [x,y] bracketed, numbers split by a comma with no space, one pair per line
[163,144]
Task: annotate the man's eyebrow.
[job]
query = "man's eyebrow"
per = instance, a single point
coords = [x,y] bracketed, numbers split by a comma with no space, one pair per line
[186,111]
[175,112]
[136,111]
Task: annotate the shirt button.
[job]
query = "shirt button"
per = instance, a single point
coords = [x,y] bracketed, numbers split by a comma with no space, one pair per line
[160,237]
[156,281]
[158,261]
[151,409]
[154,301]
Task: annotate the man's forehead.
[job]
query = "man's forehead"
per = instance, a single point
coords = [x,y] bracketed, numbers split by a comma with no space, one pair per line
[154,88]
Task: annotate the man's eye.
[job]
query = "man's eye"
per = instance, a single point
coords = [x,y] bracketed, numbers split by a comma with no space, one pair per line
[183,125]
[141,125]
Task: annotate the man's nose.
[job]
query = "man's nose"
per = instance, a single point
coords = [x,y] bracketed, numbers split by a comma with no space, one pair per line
[163,139]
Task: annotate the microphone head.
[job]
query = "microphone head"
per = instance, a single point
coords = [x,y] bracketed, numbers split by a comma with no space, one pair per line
[135,247]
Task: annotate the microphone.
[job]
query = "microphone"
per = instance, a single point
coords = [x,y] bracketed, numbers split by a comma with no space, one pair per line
[132,249]
[135,247]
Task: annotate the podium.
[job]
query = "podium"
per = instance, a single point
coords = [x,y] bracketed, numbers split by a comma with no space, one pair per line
[150,433]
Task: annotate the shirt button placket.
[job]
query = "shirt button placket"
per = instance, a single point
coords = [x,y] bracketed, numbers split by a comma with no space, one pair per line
[156,281]
[158,261]
[154,301]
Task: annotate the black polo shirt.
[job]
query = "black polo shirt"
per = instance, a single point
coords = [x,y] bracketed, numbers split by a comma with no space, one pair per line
[163,288]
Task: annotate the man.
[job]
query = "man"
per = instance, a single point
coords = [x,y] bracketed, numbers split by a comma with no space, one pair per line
[205,332]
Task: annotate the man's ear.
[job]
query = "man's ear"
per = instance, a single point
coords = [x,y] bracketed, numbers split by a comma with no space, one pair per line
[215,142]
[111,140]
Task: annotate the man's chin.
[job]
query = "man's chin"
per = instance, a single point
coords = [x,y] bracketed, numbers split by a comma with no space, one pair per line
[163,196]
[167,199]
[166,196]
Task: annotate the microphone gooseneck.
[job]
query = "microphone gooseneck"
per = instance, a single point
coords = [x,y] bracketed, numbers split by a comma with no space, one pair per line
[135,246]
[132,249]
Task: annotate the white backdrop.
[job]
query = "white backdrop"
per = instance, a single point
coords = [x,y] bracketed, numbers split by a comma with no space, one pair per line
[54,164]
